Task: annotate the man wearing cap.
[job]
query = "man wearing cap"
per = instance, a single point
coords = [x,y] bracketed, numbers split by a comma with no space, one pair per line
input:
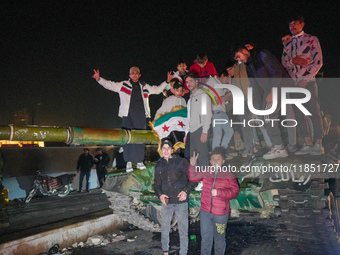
[134,109]
[172,186]
[101,160]
[84,165]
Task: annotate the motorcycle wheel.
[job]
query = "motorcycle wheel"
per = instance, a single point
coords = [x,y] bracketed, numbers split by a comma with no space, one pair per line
[64,190]
[31,194]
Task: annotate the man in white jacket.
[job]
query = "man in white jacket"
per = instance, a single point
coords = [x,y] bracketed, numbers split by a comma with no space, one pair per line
[134,109]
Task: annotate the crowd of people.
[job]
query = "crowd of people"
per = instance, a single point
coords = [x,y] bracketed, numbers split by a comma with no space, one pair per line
[249,67]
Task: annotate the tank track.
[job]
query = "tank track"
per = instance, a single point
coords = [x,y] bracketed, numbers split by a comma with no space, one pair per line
[305,220]
[123,206]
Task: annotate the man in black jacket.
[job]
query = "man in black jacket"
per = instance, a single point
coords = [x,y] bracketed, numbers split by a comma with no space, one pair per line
[265,72]
[101,160]
[172,186]
[84,165]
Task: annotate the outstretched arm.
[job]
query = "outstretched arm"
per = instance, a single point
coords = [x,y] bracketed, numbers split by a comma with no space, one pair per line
[110,85]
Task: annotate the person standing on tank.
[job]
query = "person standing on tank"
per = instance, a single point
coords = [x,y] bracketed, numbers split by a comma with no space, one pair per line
[134,109]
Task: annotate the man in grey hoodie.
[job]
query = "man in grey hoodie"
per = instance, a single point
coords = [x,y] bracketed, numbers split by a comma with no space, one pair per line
[199,115]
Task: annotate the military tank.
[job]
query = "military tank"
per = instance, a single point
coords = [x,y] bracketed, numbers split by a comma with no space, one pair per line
[306,203]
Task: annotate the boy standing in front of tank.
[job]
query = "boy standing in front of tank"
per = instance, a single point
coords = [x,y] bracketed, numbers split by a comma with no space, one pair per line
[172,186]
[218,188]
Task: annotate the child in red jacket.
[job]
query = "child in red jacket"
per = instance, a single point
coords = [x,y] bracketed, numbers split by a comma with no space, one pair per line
[202,67]
[218,188]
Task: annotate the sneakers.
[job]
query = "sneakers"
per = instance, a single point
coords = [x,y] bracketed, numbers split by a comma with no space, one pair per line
[306,149]
[257,146]
[141,166]
[277,151]
[199,186]
[317,149]
[248,160]
[292,148]
[129,167]
[243,153]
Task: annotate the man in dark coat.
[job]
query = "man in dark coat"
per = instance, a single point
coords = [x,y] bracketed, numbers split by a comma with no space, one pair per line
[172,186]
[265,73]
[84,165]
[101,160]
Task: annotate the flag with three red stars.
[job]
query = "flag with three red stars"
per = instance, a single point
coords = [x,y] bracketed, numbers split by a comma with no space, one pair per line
[173,121]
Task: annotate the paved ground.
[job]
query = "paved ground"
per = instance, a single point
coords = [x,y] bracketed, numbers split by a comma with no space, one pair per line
[245,236]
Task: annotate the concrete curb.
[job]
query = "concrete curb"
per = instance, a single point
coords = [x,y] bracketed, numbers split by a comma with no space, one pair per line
[65,236]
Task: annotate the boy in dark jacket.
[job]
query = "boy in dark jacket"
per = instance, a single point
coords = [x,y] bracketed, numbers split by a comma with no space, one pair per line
[172,186]
[218,188]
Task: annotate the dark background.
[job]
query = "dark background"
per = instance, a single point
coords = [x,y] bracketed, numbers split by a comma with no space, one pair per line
[50,48]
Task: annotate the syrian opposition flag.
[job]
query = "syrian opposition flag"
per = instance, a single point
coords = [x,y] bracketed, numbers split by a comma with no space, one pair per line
[173,121]
[171,125]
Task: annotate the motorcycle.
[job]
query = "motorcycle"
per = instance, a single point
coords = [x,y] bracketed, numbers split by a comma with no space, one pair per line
[60,185]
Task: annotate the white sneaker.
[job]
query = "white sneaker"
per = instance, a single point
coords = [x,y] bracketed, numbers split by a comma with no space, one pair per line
[199,186]
[306,149]
[317,149]
[141,166]
[129,167]
[277,151]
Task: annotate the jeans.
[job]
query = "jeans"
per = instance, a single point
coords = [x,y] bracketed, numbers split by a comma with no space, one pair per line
[219,129]
[81,177]
[313,106]
[101,174]
[194,144]
[213,229]
[181,211]
[246,129]
[291,130]
[265,136]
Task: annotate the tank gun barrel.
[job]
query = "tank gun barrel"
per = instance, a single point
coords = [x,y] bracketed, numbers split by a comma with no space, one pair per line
[76,135]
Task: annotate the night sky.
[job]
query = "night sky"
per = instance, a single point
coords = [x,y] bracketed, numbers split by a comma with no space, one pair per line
[50,48]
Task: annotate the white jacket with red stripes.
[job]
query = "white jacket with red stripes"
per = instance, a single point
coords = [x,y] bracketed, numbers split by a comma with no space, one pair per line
[124,89]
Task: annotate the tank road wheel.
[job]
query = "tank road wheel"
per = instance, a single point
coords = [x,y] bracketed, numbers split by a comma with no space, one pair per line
[31,194]
[334,207]
[64,191]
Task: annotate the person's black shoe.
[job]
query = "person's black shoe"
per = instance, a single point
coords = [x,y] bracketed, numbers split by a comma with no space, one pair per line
[249,159]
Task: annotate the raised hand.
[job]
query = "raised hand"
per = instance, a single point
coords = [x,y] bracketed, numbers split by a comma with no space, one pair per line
[193,159]
[170,76]
[96,75]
